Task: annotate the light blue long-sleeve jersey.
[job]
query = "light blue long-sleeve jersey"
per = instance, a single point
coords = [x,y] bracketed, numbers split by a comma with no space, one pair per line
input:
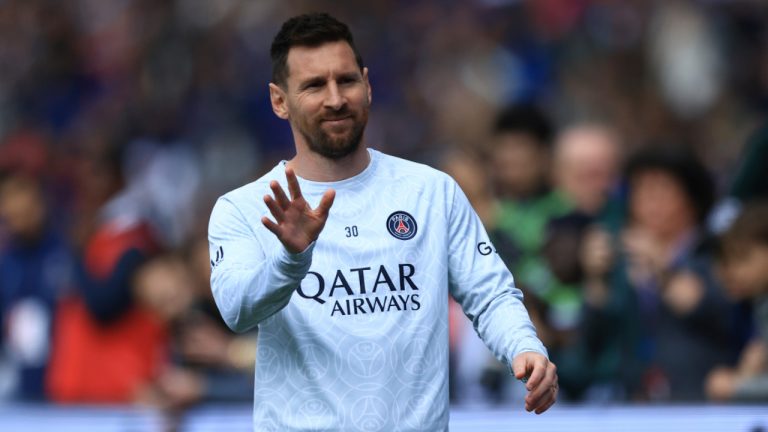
[353,331]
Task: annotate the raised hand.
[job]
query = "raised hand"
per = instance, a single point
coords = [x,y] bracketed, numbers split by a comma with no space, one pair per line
[296,224]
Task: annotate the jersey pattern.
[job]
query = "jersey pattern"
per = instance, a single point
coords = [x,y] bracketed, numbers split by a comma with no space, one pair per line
[353,331]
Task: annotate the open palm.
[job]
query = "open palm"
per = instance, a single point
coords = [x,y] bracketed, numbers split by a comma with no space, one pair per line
[296,224]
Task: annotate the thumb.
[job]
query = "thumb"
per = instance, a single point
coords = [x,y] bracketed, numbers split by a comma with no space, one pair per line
[520,366]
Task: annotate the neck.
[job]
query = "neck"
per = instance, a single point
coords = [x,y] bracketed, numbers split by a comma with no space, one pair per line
[312,166]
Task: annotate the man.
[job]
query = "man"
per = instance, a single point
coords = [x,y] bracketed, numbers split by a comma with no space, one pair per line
[587,161]
[351,304]
[520,166]
[579,252]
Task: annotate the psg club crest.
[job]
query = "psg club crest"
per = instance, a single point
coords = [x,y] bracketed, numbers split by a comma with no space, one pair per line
[401,225]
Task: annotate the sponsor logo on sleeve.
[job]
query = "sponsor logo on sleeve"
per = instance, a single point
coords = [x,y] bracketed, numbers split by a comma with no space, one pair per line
[217,258]
[485,248]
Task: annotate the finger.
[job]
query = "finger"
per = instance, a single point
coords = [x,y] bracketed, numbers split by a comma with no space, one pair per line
[540,395]
[273,227]
[275,209]
[293,184]
[280,196]
[325,203]
[549,404]
[520,366]
[539,366]
[543,401]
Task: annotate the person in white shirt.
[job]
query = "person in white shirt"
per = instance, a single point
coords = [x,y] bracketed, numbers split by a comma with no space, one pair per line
[347,275]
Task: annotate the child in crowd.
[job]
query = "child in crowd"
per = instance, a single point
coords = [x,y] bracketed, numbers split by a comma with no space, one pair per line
[744,262]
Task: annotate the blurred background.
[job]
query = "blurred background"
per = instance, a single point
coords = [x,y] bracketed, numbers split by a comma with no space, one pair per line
[616,151]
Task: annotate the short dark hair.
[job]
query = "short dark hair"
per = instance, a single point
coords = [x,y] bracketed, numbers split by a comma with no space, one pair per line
[526,119]
[681,164]
[309,30]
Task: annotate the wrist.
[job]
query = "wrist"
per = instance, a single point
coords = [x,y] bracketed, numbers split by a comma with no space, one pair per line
[298,262]
[299,254]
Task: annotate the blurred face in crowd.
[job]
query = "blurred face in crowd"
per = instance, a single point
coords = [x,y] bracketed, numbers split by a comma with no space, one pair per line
[746,269]
[326,98]
[659,204]
[164,286]
[470,176]
[520,166]
[586,166]
[22,208]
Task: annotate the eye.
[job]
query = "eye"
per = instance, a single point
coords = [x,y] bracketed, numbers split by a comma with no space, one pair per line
[313,85]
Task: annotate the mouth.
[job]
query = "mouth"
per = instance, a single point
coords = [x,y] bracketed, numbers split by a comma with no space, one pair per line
[338,122]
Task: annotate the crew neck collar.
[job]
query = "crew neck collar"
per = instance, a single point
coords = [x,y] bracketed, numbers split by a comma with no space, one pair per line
[317,186]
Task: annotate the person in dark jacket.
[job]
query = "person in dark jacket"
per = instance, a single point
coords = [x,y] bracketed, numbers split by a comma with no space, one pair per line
[658,304]
[36,266]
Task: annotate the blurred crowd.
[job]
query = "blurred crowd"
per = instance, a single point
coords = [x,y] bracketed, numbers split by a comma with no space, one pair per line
[616,152]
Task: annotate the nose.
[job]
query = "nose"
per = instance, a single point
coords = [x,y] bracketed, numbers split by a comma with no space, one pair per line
[334,100]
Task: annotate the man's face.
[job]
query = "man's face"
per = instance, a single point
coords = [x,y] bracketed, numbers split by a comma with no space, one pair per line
[326,98]
[659,203]
[519,165]
[586,166]
[22,208]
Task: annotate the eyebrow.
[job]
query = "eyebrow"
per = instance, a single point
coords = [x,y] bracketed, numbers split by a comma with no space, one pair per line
[355,76]
[311,81]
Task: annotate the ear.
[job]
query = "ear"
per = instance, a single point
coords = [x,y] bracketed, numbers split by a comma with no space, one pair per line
[368,85]
[279,102]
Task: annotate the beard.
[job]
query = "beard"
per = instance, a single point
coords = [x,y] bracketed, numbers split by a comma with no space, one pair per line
[336,147]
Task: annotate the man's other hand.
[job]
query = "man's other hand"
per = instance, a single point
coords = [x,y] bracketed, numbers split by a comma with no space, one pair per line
[541,380]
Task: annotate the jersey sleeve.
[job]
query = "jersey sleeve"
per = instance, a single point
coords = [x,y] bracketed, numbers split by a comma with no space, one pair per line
[483,286]
[249,282]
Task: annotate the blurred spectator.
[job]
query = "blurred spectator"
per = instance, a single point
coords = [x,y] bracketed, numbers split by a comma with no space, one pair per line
[228,352]
[586,172]
[208,362]
[36,266]
[106,346]
[473,178]
[673,291]
[586,175]
[586,168]
[745,266]
[162,285]
[587,161]
[681,307]
[521,167]
[519,160]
